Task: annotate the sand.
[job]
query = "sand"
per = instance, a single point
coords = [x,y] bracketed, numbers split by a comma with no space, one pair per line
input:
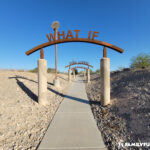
[23,122]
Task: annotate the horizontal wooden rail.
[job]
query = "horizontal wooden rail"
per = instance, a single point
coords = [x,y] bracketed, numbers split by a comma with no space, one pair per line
[79,67]
[75,40]
[78,63]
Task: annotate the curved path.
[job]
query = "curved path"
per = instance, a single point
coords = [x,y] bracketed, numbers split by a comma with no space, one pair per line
[73,126]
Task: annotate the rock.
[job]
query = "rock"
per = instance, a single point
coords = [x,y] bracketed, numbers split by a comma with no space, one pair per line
[1,134]
[104,111]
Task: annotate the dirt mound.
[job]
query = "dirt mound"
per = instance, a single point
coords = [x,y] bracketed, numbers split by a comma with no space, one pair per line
[127,118]
[23,122]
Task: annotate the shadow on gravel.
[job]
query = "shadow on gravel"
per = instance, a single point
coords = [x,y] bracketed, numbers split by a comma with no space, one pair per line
[35,97]
[27,90]
[95,102]
[20,77]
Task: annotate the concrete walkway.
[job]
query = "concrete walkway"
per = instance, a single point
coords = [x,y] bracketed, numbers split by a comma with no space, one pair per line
[73,126]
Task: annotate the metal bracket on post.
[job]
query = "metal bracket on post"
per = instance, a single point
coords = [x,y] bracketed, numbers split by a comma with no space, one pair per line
[42,54]
[105,52]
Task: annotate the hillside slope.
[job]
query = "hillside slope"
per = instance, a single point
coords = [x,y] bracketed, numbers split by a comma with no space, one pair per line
[127,118]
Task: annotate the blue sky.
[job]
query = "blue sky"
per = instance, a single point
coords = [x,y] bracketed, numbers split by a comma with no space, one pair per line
[24,25]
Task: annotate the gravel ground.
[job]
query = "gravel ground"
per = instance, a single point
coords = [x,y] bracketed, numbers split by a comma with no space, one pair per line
[23,122]
[127,118]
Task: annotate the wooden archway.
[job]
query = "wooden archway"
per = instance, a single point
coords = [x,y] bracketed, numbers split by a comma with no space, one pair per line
[105,63]
[79,63]
[81,67]
[85,40]
[86,73]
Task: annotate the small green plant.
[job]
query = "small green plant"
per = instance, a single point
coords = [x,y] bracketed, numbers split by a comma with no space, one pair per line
[35,70]
[140,61]
[49,70]
[76,71]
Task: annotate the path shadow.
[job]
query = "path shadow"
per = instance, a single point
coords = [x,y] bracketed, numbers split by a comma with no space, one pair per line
[77,99]
[69,97]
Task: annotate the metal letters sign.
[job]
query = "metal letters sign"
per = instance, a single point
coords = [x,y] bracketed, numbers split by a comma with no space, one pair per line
[70,37]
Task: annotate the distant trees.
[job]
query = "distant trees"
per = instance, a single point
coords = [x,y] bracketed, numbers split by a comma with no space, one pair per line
[35,70]
[91,71]
[49,70]
[76,71]
[140,61]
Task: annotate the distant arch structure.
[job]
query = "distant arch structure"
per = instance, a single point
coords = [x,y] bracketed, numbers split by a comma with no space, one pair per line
[79,63]
[73,68]
[80,67]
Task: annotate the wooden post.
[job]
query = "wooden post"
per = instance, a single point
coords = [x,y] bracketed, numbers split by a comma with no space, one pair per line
[42,54]
[105,52]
